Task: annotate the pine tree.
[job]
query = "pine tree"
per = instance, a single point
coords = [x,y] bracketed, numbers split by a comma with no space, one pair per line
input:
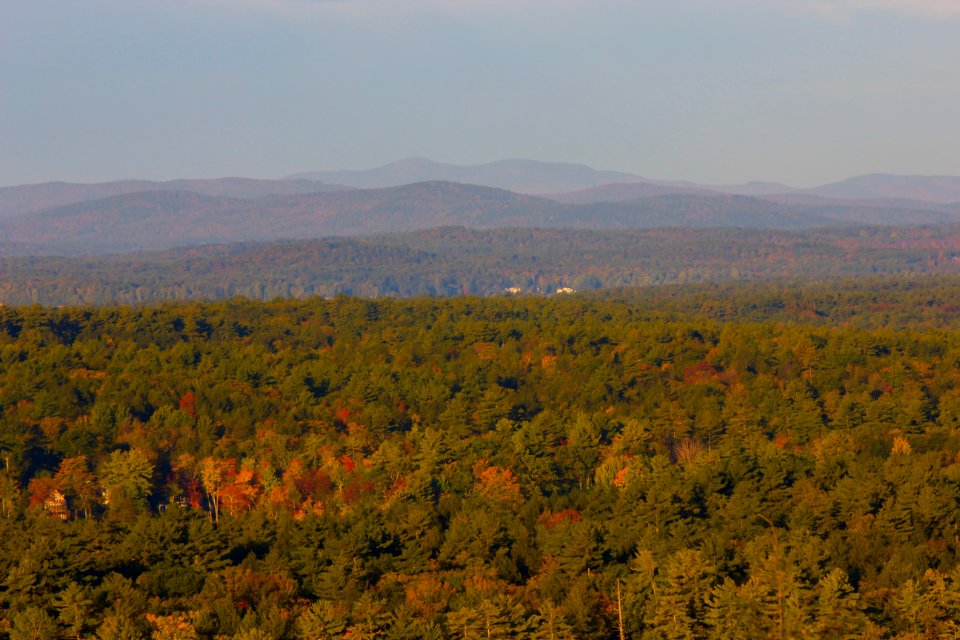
[550,624]
[728,614]
[837,613]
[680,603]
[33,623]
[322,620]
[127,478]
[73,606]
[118,627]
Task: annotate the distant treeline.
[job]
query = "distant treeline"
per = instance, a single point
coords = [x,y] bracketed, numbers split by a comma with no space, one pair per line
[456,261]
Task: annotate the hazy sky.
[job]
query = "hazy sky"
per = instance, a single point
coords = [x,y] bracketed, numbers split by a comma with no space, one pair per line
[799,91]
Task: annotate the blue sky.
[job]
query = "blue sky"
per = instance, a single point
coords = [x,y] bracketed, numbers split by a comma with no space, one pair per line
[719,91]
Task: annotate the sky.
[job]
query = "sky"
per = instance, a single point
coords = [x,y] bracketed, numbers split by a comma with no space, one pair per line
[803,92]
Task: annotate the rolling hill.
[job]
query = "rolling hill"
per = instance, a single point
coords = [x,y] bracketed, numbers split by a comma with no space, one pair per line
[166,219]
[882,211]
[943,189]
[623,192]
[143,215]
[157,220]
[562,182]
[34,197]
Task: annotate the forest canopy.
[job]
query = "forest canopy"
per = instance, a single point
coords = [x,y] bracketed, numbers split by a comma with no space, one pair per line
[739,461]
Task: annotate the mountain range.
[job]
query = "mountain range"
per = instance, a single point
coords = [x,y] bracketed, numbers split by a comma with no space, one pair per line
[522,176]
[154,220]
[551,178]
[64,218]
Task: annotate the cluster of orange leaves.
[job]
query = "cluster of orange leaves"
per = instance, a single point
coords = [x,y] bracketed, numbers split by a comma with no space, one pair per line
[497,484]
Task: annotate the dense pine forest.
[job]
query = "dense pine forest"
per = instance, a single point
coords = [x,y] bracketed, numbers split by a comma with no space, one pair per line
[737,461]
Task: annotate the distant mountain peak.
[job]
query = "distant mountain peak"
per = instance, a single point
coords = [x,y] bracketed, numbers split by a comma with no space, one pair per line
[513,174]
[412,162]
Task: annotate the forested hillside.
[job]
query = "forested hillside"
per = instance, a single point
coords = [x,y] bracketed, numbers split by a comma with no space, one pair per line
[765,463]
[451,261]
